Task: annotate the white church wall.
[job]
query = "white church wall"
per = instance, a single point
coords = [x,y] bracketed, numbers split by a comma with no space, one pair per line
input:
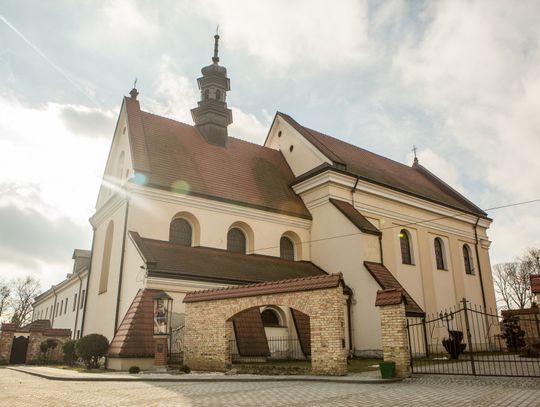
[152,211]
[303,156]
[100,308]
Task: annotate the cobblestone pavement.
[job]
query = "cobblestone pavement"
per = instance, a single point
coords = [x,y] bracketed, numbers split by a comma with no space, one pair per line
[20,389]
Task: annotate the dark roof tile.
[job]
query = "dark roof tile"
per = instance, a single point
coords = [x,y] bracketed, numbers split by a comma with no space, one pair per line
[355,217]
[387,281]
[171,260]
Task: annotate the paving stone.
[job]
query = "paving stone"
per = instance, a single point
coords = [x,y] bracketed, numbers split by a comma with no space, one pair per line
[20,389]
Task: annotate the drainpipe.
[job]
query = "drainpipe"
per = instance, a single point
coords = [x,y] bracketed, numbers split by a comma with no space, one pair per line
[54,307]
[121,267]
[88,282]
[353,190]
[77,306]
[349,293]
[478,262]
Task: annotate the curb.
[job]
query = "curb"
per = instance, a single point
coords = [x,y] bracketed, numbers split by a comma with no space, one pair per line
[193,379]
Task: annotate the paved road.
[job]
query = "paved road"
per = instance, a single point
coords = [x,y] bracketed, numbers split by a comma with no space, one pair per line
[20,389]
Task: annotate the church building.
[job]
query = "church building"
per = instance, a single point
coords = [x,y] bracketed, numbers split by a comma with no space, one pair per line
[188,207]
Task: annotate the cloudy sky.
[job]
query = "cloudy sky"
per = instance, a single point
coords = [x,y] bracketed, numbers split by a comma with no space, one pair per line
[458,79]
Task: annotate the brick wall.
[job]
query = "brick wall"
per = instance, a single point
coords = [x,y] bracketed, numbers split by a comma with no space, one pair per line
[208,328]
[394,337]
[6,341]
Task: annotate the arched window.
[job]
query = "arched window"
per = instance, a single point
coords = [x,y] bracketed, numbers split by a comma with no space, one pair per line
[405,243]
[270,318]
[439,253]
[206,94]
[218,94]
[106,259]
[286,248]
[180,232]
[236,241]
[467,258]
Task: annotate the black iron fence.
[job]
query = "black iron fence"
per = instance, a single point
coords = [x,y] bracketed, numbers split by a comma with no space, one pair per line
[467,340]
[281,348]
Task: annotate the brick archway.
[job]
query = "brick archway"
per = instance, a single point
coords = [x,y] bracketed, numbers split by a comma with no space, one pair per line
[209,313]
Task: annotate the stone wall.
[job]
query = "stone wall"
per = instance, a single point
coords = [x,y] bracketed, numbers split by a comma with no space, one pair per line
[35,337]
[209,328]
[394,337]
[6,340]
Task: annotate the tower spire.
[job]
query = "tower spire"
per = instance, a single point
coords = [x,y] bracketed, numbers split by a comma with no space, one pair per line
[414,149]
[211,116]
[215,58]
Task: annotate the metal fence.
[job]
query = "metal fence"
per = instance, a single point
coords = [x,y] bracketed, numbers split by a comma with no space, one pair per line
[176,345]
[281,348]
[467,340]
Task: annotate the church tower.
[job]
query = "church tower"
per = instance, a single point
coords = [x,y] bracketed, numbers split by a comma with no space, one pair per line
[212,116]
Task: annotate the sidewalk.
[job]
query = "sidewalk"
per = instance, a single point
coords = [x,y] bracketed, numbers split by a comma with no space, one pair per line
[52,373]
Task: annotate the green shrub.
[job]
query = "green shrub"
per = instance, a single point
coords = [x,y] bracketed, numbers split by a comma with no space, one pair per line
[91,348]
[45,347]
[69,352]
[134,369]
[185,369]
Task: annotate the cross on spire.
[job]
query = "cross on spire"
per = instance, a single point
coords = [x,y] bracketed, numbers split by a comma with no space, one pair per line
[215,58]
[414,149]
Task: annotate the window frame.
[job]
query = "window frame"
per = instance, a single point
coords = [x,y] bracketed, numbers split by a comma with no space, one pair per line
[291,251]
[468,259]
[405,237]
[179,236]
[440,258]
[231,240]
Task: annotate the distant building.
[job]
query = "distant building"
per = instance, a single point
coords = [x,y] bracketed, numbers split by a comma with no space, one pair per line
[63,304]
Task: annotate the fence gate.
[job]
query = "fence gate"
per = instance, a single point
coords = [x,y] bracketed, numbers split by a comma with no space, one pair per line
[18,350]
[176,346]
[467,340]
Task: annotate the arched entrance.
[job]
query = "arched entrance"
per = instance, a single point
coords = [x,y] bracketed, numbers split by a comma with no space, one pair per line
[210,314]
[18,350]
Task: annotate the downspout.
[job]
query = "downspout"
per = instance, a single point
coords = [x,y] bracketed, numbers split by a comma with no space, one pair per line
[353,190]
[349,293]
[88,282]
[478,262]
[54,307]
[77,306]
[121,267]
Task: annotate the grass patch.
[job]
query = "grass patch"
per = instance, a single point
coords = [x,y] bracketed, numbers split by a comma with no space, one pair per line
[362,365]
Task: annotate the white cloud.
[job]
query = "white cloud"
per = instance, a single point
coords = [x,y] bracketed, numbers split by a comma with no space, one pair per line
[246,126]
[303,35]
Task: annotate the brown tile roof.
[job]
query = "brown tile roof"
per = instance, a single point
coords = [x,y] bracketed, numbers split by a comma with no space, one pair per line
[273,287]
[165,259]
[535,283]
[518,312]
[8,327]
[37,325]
[387,281]
[135,335]
[355,217]
[250,334]
[417,181]
[175,157]
[392,296]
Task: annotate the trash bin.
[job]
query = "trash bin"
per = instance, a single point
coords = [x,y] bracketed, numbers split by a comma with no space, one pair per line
[388,369]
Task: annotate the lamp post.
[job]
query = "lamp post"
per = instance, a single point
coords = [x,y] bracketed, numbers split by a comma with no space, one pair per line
[162,326]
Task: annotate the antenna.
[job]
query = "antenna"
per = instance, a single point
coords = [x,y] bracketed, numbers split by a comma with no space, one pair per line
[135,83]
[217,29]
[215,58]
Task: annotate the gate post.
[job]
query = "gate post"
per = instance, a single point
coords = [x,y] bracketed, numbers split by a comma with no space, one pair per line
[469,336]
[394,334]
[6,342]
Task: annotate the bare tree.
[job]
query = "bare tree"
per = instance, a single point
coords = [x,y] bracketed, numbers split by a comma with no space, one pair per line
[5,294]
[23,292]
[512,280]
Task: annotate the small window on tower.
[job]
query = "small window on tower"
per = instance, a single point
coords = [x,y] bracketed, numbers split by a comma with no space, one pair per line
[218,94]
[206,94]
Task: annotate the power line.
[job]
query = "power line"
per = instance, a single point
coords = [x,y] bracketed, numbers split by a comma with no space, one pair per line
[409,224]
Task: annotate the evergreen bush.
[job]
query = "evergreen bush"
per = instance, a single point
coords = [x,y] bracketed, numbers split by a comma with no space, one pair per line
[90,348]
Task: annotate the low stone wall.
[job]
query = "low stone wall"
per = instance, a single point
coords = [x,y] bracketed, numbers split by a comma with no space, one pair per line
[35,337]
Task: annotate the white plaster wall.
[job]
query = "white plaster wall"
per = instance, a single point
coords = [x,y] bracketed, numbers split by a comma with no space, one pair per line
[66,318]
[100,308]
[304,156]
[151,217]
